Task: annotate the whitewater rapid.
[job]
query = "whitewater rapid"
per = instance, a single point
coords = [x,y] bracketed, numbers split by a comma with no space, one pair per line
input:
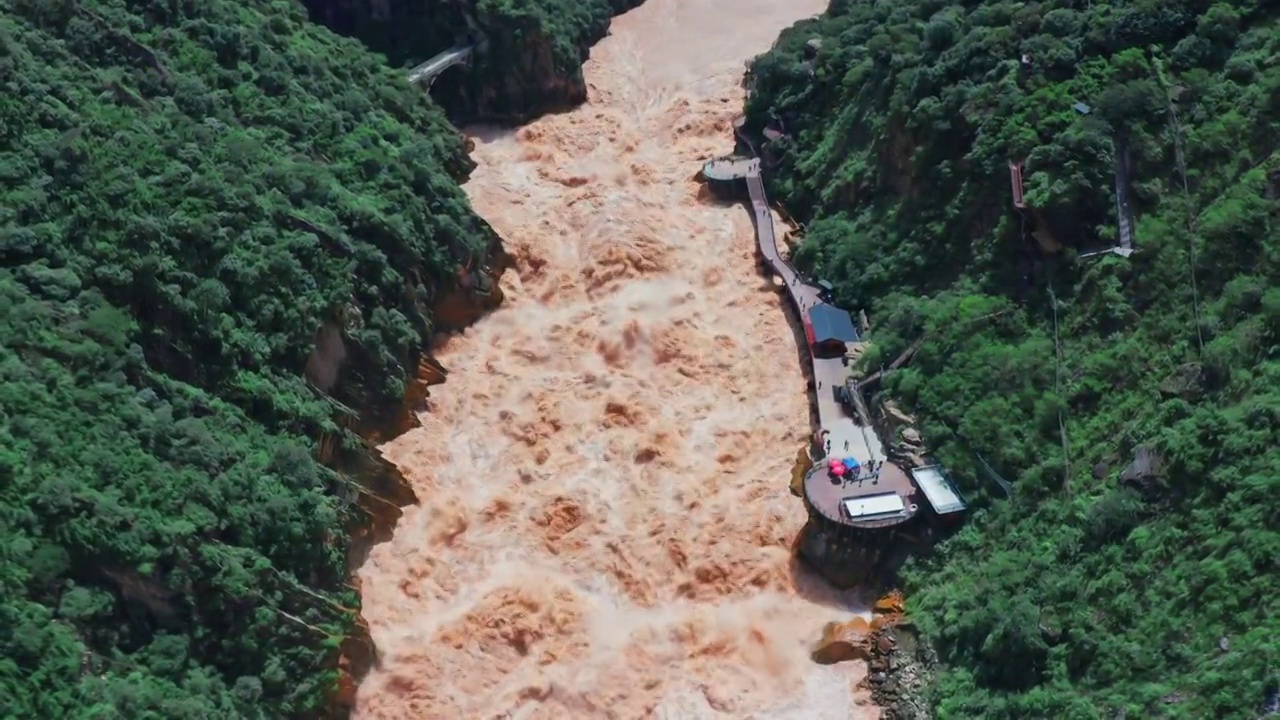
[605,525]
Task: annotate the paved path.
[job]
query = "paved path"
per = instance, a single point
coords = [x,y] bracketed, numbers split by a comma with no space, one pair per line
[847,437]
[427,72]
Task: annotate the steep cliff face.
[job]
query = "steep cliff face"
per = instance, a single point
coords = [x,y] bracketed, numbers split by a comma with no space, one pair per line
[528,55]
[534,56]
[378,487]
[381,491]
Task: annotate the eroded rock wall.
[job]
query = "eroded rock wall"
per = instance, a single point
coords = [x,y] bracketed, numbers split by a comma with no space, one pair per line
[378,487]
[528,57]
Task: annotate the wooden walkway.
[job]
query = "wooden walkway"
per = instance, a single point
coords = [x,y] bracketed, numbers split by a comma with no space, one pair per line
[802,295]
[844,436]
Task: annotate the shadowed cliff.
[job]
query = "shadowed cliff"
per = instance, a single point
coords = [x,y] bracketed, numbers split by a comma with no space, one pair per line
[528,57]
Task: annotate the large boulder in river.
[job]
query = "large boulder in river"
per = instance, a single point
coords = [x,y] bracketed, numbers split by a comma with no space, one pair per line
[844,641]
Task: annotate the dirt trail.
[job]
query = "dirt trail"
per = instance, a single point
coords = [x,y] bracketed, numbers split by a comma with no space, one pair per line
[605,521]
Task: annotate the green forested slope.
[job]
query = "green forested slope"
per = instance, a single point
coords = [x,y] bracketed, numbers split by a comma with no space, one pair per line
[187,192]
[153,538]
[1079,597]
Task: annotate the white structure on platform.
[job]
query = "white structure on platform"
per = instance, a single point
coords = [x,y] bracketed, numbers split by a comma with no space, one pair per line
[872,507]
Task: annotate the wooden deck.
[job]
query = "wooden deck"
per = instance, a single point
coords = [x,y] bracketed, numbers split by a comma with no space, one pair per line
[823,494]
[730,168]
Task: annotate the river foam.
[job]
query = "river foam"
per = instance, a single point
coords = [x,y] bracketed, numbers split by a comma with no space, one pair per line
[605,523]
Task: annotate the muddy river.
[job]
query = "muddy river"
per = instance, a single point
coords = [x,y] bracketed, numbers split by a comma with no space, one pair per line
[605,524]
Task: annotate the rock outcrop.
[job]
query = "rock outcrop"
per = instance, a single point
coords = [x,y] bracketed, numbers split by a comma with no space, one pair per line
[529,63]
[900,664]
[375,485]
[476,293]
[858,638]
[844,641]
[528,55]
[901,667]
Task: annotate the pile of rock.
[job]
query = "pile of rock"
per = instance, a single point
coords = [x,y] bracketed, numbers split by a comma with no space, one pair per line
[900,663]
[906,443]
[901,667]
[855,640]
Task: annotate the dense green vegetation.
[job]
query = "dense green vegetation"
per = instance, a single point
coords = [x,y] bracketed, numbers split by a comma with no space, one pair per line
[1079,597]
[189,191]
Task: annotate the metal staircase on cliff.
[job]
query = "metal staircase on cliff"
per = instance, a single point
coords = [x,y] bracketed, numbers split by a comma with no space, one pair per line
[1124,211]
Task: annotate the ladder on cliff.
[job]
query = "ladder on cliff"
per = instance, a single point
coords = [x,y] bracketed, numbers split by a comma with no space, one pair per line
[1124,210]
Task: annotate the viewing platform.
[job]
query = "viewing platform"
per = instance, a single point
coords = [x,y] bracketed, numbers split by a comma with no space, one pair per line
[875,498]
[725,176]
[730,168]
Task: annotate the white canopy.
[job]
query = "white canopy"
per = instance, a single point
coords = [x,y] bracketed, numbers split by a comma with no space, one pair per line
[861,508]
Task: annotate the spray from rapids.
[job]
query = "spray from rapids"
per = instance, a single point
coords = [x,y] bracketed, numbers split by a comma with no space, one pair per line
[605,522]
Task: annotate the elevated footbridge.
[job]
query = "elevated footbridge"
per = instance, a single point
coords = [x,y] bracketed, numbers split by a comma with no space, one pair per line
[427,72]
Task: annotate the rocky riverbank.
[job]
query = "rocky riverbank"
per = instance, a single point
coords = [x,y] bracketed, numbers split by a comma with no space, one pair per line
[900,670]
[383,489]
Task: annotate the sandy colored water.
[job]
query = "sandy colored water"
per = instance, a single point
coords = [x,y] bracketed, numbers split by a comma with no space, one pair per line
[605,524]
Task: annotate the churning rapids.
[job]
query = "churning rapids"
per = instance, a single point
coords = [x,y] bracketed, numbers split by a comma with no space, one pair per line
[605,524]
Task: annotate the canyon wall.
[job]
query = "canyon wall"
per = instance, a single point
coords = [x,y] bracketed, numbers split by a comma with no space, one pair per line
[528,55]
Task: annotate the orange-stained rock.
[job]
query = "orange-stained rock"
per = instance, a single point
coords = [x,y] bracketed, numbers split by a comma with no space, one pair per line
[892,603]
[430,372]
[356,656]
[844,641]
[799,470]
[468,301]
[344,695]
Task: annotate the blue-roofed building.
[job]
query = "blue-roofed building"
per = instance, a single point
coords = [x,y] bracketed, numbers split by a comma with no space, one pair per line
[828,330]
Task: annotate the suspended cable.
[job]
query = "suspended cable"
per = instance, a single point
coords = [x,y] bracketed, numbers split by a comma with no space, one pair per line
[1057,388]
[1186,196]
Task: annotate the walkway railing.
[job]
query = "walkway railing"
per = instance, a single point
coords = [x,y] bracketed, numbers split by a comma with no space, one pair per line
[428,71]
[802,295]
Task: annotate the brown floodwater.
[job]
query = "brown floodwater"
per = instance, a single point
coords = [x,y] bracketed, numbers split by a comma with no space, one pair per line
[605,522]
